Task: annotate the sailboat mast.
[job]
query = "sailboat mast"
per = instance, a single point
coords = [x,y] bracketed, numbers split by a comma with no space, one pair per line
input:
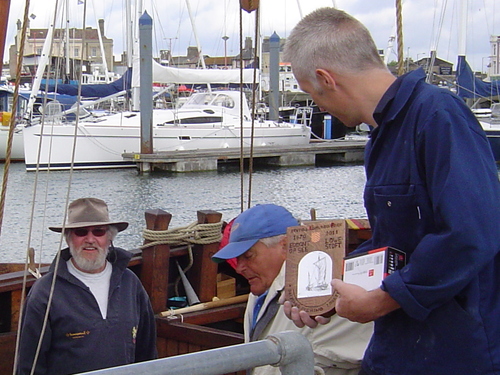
[462,27]
[195,34]
[66,44]
[198,45]
[135,52]
[44,61]
[300,9]
[388,50]
[103,55]
[128,32]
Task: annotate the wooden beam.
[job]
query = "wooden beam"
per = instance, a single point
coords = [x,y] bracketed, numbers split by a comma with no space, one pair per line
[206,337]
[155,262]
[16,297]
[203,274]
[7,348]
[14,280]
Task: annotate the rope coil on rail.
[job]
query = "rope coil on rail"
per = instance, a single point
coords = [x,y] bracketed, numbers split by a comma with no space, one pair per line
[199,234]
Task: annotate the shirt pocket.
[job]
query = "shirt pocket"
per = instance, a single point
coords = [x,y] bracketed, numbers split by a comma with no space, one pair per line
[398,216]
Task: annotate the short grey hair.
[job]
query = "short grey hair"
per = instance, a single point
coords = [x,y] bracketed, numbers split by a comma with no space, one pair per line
[329,38]
[113,231]
[272,241]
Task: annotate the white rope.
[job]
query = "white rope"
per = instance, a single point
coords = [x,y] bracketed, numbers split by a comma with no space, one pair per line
[199,234]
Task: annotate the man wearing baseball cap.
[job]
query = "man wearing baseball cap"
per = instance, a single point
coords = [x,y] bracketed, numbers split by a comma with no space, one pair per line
[99,313]
[258,242]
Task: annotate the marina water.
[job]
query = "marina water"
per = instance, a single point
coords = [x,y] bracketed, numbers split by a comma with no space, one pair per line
[335,192]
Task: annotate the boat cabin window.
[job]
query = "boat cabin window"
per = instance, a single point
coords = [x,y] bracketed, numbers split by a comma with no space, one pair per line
[285,69]
[224,101]
[199,99]
[195,120]
[221,100]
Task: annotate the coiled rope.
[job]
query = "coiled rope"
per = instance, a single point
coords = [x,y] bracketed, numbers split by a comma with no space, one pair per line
[192,234]
[198,234]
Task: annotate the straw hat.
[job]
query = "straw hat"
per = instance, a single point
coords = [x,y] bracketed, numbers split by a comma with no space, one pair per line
[89,212]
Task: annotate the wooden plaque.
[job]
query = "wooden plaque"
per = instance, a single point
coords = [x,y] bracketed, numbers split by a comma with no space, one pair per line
[315,256]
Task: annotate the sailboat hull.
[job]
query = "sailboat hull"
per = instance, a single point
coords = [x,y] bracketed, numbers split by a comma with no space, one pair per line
[17,150]
[101,145]
[492,130]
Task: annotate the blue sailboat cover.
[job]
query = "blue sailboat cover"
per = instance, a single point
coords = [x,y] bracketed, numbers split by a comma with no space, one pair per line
[469,86]
[94,90]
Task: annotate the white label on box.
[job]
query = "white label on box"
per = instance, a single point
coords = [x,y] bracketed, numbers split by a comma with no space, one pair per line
[366,270]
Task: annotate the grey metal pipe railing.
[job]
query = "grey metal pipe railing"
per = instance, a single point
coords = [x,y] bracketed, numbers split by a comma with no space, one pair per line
[289,350]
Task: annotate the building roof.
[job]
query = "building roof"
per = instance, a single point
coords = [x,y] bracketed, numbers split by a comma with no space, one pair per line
[90,34]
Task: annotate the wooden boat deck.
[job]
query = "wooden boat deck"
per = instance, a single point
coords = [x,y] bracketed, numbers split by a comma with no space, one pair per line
[191,332]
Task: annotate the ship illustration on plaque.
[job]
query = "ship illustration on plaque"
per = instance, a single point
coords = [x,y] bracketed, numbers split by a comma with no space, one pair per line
[314,276]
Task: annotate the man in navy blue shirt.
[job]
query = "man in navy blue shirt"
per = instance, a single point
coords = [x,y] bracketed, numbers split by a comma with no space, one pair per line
[432,191]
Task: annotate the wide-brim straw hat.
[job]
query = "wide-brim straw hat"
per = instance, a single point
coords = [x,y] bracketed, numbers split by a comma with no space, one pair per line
[89,212]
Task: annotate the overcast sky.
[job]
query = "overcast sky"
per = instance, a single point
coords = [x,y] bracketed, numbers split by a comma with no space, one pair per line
[425,23]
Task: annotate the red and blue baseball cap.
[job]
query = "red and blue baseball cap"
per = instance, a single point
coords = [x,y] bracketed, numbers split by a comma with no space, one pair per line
[260,221]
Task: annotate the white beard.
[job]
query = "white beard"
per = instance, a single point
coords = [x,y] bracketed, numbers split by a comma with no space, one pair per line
[89,265]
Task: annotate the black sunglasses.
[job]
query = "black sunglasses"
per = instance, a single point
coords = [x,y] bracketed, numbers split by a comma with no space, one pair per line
[96,232]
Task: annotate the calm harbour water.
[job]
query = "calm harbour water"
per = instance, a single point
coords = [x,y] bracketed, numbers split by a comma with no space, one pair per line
[335,192]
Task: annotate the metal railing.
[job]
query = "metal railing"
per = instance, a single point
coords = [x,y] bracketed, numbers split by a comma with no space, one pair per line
[289,350]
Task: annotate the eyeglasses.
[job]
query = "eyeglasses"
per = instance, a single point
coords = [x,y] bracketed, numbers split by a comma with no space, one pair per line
[96,232]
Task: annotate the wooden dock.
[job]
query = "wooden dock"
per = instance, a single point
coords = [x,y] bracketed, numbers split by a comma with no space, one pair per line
[316,153]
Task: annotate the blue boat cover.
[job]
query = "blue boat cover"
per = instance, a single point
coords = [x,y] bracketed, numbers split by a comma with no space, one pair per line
[99,90]
[469,86]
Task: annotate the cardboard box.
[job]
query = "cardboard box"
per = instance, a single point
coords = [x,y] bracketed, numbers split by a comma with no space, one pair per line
[369,269]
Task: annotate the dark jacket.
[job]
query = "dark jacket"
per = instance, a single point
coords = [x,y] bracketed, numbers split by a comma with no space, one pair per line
[77,338]
[432,191]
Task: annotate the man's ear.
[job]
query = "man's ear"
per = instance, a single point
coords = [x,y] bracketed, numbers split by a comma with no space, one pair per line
[325,78]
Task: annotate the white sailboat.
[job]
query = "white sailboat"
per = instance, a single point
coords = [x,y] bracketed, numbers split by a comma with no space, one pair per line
[213,120]
[206,121]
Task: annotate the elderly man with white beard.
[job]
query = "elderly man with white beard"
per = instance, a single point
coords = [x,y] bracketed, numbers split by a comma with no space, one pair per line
[99,314]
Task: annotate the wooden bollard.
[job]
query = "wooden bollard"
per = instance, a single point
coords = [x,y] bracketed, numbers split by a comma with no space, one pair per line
[155,262]
[203,273]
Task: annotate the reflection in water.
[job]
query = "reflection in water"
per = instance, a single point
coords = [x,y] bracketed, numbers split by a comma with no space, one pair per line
[335,192]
